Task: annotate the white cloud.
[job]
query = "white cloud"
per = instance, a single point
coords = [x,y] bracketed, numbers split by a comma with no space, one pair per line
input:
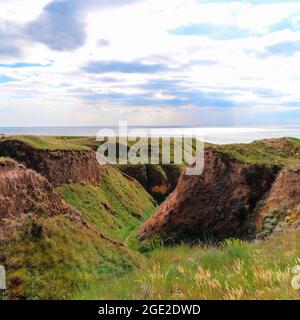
[230,71]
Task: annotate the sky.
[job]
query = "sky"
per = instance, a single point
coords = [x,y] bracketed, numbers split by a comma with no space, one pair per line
[149,62]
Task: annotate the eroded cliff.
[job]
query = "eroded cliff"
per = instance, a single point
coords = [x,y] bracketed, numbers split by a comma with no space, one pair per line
[214,205]
[23,193]
[58,166]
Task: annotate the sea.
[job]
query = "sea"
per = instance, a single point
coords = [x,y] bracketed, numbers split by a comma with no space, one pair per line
[212,134]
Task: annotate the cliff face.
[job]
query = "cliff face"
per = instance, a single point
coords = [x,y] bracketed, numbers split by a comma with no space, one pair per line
[285,191]
[58,166]
[24,192]
[215,205]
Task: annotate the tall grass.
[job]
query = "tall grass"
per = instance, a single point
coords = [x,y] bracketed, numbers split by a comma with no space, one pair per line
[234,270]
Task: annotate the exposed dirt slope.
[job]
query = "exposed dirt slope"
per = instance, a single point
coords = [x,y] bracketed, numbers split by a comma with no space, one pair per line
[215,205]
[24,192]
[58,166]
[285,191]
[279,209]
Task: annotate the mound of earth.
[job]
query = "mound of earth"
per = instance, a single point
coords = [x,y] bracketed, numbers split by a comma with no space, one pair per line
[214,205]
[245,191]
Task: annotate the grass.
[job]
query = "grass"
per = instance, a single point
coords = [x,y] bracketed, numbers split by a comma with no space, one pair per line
[53,257]
[281,152]
[79,143]
[116,207]
[235,270]
[59,259]
[54,142]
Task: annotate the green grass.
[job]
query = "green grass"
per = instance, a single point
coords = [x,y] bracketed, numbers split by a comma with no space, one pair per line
[54,142]
[60,258]
[116,207]
[79,143]
[281,152]
[235,270]
[55,257]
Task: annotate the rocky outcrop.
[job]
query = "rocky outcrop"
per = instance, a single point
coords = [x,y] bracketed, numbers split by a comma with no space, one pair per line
[24,192]
[216,205]
[58,166]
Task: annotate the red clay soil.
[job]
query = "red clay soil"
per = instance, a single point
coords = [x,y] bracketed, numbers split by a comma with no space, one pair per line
[24,192]
[58,166]
[285,192]
[217,204]
[158,184]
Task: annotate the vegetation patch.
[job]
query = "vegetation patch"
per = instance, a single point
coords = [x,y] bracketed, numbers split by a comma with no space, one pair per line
[234,270]
[116,207]
[52,257]
[54,142]
[270,152]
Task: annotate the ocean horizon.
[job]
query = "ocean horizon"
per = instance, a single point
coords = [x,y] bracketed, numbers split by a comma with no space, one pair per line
[212,134]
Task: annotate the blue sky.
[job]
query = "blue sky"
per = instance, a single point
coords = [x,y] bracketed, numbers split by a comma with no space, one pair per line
[150,62]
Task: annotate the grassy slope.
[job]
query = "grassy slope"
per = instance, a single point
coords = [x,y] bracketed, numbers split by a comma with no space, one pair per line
[60,258]
[236,270]
[54,257]
[116,207]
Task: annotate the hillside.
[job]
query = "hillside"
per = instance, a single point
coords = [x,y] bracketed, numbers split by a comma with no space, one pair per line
[64,227]
[72,229]
[234,196]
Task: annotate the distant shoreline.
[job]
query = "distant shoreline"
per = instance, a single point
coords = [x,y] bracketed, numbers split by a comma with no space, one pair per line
[212,134]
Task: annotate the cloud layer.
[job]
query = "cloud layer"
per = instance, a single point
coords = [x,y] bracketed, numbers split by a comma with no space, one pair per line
[175,61]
